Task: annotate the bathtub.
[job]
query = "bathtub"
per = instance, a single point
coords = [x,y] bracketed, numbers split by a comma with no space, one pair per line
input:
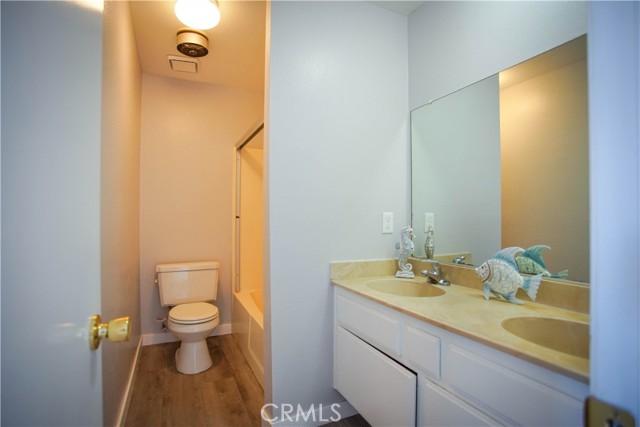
[247,328]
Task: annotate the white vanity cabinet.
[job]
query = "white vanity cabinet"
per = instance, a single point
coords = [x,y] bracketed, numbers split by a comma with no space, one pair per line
[397,370]
[437,407]
[382,390]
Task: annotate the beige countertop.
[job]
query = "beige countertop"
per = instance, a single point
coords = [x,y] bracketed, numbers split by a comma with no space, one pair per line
[463,310]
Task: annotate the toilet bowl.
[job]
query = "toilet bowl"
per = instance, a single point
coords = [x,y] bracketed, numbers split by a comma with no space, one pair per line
[190,289]
[192,323]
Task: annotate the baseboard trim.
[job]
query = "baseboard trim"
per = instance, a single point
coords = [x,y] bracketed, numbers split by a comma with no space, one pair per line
[124,405]
[318,416]
[165,337]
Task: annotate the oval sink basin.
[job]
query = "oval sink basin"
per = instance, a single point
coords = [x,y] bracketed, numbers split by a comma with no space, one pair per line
[561,335]
[405,288]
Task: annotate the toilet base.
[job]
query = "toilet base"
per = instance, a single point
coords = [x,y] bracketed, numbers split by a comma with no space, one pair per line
[193,357]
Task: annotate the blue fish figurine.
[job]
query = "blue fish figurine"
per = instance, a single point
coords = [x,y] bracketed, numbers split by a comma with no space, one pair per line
[531,262]
[501,277]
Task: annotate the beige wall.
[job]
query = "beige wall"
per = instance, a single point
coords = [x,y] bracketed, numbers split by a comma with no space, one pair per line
[545,135]
[120,176]
[251,219]
[189,131]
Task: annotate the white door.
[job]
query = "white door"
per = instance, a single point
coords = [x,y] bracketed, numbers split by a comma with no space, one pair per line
[51,92]
[614,134]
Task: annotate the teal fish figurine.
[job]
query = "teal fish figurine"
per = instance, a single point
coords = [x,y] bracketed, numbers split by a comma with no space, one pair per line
[501,277]
[531,262]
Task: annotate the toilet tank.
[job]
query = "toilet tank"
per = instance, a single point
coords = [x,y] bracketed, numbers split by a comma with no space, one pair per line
[186,282]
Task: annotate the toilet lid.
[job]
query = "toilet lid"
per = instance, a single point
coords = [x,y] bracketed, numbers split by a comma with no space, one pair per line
[195,312]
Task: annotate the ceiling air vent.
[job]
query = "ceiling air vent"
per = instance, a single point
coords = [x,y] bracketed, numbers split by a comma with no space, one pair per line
[183,64]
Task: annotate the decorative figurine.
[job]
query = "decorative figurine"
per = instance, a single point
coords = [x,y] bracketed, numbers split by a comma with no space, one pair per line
[429,246]
[531,262]
[501,278]
[406,249]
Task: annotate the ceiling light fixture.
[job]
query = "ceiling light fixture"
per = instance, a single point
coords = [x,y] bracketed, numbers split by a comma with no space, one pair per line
[198,14]
[192,42]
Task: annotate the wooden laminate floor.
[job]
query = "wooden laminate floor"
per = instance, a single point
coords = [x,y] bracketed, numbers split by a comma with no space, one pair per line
[226,395]
[355,421]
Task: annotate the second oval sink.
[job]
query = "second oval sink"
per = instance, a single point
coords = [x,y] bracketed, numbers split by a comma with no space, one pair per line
[405,288]
[561,335]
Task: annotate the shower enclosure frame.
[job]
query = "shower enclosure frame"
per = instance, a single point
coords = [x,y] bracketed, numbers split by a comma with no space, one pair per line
[247,305]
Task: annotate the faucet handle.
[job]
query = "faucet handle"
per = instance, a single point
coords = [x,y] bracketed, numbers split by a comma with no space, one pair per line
[428,274]
[435,268]
[458,260]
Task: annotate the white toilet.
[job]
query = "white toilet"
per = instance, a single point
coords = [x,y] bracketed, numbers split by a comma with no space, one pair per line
[190,288]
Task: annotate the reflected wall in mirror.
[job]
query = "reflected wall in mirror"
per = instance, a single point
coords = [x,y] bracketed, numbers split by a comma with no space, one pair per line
[504,162]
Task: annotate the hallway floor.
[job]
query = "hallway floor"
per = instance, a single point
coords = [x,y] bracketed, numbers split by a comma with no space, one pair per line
[226,395]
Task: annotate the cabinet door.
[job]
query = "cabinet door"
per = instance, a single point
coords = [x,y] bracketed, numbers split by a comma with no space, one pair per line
[437,408]
[379,388]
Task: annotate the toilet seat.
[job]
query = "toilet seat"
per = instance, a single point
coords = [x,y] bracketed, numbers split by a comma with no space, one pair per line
[193,313]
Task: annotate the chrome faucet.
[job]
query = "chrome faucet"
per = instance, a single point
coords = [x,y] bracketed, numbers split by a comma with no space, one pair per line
[434,275]
[458,260]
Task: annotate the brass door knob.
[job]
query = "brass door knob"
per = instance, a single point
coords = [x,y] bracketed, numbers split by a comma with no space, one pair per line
[116,330]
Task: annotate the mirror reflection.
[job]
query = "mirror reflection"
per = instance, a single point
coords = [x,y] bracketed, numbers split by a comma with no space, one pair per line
[504,162]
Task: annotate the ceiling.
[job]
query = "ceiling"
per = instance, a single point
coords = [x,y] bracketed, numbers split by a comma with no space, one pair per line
[560,56]
[403,7]
[236,46]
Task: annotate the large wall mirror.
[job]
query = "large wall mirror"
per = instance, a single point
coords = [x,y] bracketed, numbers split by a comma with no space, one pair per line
[504,162]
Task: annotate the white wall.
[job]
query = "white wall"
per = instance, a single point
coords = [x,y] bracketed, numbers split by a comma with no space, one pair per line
[337,149]
[189,131]
[120,200]
[455,43]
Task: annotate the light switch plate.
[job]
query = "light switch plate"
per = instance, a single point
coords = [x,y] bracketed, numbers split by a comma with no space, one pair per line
[387,222]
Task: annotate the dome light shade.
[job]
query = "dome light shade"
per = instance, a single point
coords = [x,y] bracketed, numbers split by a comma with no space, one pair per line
[198,14]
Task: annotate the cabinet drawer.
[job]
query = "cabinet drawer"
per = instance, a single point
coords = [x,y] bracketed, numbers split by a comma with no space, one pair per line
[437,408]
[514,396]
[379,388]
[376,328]
[422,351]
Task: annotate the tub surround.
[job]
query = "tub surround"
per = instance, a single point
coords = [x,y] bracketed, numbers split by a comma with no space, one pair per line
[464,311]
[248,329]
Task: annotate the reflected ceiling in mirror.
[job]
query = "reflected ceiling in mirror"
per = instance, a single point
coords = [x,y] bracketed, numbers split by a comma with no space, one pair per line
[504,162]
